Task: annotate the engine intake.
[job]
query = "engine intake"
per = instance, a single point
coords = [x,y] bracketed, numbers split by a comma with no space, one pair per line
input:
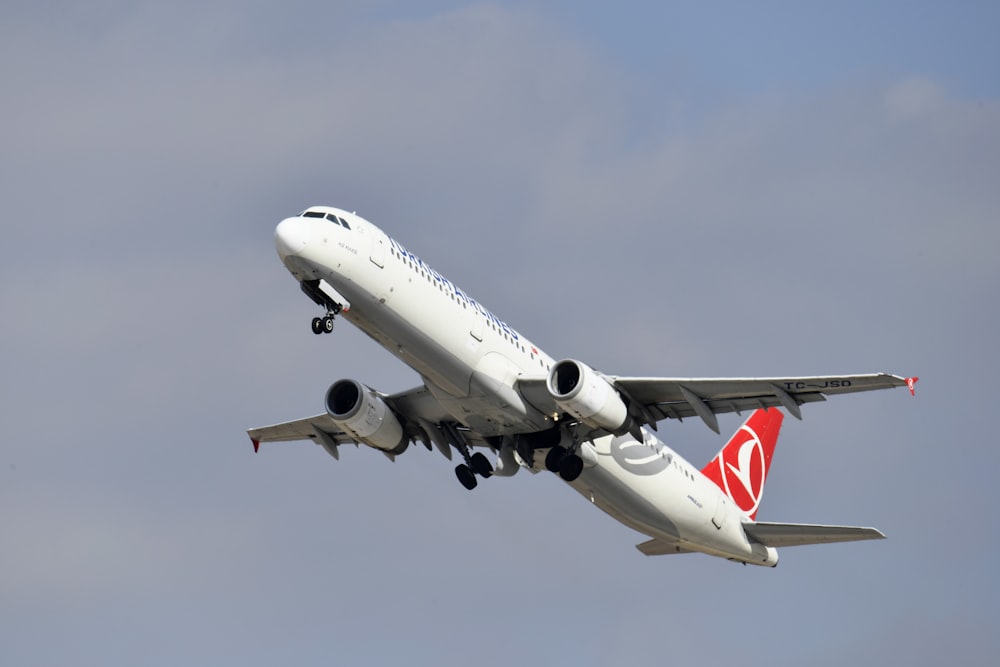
[361,412]
[587,395]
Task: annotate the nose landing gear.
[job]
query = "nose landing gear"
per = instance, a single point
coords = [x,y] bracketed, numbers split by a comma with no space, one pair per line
[321,325]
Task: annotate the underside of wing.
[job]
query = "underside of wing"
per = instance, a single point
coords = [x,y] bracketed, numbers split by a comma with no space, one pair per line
[656,399]
[321,429]
[420,414]
[796,534]
[534,391]
[677,398]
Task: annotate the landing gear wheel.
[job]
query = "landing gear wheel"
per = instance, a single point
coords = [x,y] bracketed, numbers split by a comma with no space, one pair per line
[554,457]
[466,476]
[327,323]
[317,325]
[570,467]
[481,465]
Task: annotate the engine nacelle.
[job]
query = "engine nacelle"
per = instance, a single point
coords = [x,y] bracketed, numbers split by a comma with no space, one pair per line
[365,416]
[582,392]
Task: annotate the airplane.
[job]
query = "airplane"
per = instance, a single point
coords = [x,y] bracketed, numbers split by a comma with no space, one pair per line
[486,387]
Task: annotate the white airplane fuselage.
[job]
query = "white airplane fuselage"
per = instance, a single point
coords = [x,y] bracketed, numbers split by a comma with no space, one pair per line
[470,359]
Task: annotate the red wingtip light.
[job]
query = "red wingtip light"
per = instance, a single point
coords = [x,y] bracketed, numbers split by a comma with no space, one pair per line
[910,383]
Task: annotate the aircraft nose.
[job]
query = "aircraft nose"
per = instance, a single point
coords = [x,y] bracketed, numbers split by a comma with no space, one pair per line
[290,236]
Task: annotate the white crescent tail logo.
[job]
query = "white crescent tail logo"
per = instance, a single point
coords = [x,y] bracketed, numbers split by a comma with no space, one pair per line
[748,470]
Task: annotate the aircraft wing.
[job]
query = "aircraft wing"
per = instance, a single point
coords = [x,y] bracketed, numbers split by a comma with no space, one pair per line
[656,399]
[320,429]
[795,534]
[422,416]
[678,398]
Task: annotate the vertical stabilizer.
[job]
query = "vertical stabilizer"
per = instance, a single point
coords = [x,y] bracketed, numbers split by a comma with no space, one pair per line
[740,469]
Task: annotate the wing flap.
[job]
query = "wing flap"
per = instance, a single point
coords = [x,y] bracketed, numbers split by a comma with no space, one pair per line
[797,534]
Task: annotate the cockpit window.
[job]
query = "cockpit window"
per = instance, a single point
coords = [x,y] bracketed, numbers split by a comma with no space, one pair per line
[337,220]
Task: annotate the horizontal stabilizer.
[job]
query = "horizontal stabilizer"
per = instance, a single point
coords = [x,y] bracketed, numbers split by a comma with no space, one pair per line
[658,547]
[795,534]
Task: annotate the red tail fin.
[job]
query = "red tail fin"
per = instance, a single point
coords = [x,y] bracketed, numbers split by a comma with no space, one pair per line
[740,469]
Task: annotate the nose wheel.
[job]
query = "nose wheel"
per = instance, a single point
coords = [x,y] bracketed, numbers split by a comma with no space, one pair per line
[322,325]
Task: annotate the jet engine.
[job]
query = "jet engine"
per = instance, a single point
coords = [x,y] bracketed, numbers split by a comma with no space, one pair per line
[361,412]
[587,395]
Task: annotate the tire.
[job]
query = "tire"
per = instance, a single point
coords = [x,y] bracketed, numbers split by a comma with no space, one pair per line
[317,325]
[570,467]
[327,324]
[553,458]
[466,476]
[481,465]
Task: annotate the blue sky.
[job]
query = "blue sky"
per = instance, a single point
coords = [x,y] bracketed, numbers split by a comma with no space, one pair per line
[752,189]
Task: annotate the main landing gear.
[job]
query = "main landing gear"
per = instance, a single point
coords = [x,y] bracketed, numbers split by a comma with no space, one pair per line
[477,464]
[564,463]
[559,460]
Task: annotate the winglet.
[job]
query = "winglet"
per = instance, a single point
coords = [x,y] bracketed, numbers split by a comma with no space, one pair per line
[256,445]
[910,382]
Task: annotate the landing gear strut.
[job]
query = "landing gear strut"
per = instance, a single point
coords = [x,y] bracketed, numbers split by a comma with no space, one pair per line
[321,325]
